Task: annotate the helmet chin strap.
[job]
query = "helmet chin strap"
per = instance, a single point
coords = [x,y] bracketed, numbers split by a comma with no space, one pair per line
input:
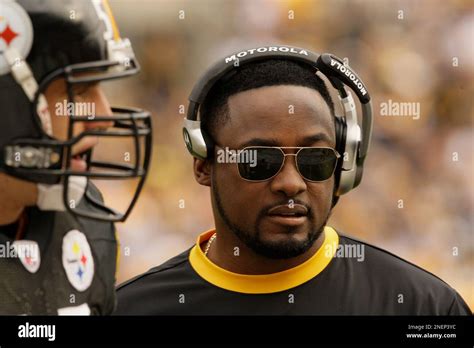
[50,197]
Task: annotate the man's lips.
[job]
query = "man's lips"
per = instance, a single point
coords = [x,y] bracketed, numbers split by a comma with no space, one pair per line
[289,215]
[78,165]
[78,162]
[289,210]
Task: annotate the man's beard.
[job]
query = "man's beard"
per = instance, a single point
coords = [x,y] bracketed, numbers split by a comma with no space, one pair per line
[280,250]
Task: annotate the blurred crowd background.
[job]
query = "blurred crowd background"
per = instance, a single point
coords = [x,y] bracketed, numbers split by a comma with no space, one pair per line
[416,198]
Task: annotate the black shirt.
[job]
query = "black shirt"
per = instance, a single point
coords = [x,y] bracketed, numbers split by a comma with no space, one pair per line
[76,264]
[345,277]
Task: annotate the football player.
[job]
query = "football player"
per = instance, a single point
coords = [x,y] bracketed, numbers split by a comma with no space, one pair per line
[58,248]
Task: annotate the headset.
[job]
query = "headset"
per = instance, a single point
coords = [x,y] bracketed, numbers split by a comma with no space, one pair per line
[352,140]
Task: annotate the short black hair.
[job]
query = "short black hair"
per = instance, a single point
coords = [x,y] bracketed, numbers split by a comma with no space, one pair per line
[214,111]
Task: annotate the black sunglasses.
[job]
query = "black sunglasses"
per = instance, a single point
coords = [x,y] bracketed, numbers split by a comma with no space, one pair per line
[260,163]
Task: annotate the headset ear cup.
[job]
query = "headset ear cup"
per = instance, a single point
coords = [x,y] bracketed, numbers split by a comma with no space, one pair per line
[209,144]
[340,125]
[341,131]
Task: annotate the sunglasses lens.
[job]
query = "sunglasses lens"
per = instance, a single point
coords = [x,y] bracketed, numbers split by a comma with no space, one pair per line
[316,164]
[263,164]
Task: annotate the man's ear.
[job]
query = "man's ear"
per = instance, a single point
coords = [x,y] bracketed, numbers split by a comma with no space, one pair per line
[202,171]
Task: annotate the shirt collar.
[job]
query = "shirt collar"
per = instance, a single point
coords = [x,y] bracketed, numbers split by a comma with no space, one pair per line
[264,283]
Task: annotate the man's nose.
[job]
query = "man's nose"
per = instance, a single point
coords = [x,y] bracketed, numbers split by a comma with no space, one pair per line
[288,180]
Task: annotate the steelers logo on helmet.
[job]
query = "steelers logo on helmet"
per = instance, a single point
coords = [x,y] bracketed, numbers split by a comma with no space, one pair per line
[16,31]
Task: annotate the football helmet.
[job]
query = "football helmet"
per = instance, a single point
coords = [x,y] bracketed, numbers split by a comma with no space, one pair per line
[78,41]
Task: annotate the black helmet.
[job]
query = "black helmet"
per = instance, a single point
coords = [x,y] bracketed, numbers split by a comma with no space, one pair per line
[77,40]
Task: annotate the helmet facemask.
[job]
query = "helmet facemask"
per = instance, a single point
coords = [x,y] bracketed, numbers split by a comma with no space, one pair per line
[47,160]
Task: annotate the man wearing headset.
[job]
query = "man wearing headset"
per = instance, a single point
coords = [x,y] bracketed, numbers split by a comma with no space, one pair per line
[276,159]
[58,249]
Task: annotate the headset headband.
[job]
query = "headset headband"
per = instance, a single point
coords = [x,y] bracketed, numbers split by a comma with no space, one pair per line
[338,74]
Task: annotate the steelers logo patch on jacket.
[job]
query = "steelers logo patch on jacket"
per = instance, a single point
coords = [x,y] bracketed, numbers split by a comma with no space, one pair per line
[77,260]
